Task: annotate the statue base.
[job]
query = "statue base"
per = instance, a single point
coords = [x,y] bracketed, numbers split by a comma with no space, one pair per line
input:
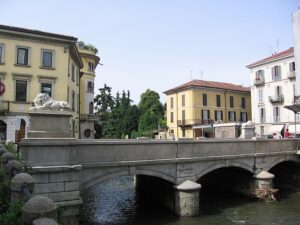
[49,124]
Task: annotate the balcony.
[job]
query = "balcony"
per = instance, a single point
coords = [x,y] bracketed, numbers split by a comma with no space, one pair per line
[89,117]
[258,82]
[276,99]
[193,122]
[4,106]
[292,75]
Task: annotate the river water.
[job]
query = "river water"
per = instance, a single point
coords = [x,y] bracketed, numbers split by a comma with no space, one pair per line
[114,202]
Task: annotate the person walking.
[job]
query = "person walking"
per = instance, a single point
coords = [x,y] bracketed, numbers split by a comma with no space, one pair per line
[287,134]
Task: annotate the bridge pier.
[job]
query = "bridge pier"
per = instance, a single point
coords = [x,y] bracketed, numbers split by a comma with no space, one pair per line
[187,199]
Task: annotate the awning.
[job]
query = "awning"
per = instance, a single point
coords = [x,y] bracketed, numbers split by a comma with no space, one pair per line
[292,128]
[295,108]
[276,128]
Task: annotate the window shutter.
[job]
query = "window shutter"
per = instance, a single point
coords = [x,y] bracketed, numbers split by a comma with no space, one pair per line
[222,115]
[208,114]
[229,116]
[279,72]
[246,117]
[202,114]
[216,115]
[234,116]
[273,73]
[241,116]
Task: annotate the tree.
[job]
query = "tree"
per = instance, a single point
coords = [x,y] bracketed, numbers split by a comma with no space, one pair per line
[151,111]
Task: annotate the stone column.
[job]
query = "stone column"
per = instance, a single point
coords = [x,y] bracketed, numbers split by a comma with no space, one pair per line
[38,207]
[17,185]
[187,199]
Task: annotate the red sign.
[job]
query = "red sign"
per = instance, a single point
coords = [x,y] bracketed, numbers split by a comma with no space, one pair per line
[2,88]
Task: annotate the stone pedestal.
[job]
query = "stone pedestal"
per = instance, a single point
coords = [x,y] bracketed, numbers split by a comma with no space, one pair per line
[247,132]
[187,199]
[264,180]
[49,124]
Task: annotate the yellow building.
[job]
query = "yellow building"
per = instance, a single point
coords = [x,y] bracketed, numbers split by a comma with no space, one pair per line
[195,106]
[87,118]
[33,62]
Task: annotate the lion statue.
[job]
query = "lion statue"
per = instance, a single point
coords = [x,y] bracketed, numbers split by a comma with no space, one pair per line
[44,102]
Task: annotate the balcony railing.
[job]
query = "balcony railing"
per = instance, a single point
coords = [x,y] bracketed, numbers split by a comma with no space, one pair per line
[258,82]
[4,106]
[193,122]
[89,117]
[292,75]
[276,99]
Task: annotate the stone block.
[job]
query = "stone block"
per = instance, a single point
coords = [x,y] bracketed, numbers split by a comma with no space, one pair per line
[64,196]
[44,221]
[71,186]
[41,178]
[63,177]
[47,188]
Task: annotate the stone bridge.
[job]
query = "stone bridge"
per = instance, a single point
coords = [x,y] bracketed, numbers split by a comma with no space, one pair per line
[65,167]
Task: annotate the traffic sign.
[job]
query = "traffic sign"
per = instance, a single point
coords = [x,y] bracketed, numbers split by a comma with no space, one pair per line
[2,88]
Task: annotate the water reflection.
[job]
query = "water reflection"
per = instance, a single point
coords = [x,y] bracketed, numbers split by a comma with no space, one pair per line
[114,202]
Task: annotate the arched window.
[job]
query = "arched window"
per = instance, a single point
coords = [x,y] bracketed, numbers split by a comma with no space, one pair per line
[91,108]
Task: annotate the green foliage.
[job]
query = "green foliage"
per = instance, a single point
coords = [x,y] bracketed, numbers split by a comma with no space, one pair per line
[10,146]
[91,47]
[4,192]
[13,216]
[151,111]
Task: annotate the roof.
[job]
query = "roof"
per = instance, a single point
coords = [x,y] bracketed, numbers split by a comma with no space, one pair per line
[209,84]
[36,32]
[277,56]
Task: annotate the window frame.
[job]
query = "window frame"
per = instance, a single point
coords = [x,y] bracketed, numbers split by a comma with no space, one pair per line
[218,100]
[73,72]
[204,99]
[52,58]
[231,102]
[18,88]
[22,77]
[28,55]
[2,56]
[183,100]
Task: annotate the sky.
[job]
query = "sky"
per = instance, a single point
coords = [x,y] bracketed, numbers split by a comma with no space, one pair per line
[161,44]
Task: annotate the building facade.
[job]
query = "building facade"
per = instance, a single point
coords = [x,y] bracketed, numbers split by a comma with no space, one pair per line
[33,62]
[194,107]
[273,87]
[87,117]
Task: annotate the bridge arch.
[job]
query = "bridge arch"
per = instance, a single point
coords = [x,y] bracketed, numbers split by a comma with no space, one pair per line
[100,178]
[214,167]
[280,160]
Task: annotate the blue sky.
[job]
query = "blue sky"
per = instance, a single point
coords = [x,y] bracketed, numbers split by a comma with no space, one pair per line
[156,44]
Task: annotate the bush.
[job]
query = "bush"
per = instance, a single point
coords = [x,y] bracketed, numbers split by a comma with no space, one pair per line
[4,192]
[13,216]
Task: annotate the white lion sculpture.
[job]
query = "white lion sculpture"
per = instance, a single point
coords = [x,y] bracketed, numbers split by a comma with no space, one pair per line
[44,102]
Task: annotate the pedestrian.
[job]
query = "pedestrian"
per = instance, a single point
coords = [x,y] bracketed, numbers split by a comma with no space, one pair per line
[287,134]
[172,137]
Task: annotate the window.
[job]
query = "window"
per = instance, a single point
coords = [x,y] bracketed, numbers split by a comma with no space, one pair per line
[205,116]
[21,91]
[183,115]
[1,53]
[91,108]
[243,117]
[218,100]
[243,102]
[78,103]
[292,67]
[172,117]
[172,102]
[183,100]
[73,100]
[91,67]
[77,76]
[231,116]
[298,116]
[260,96]
[90,87]
[262,130]
[231,101]
[47,58]
[183,132]
[204,99]
[259,75]
[22,56]
[218,115]
[276,73]
[278,92]
[276,114]
[46,88]
[73,72]
[262,115]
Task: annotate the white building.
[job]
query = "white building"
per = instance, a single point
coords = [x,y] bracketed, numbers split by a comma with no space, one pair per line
[272,87]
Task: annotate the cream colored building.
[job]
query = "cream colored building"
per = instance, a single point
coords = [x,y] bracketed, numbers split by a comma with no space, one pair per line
[193,108]
[87,117]
[33,62]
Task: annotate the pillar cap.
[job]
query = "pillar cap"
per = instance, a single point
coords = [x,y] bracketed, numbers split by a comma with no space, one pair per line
[264,175]
[21,179]
[6,157]
[188,186]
